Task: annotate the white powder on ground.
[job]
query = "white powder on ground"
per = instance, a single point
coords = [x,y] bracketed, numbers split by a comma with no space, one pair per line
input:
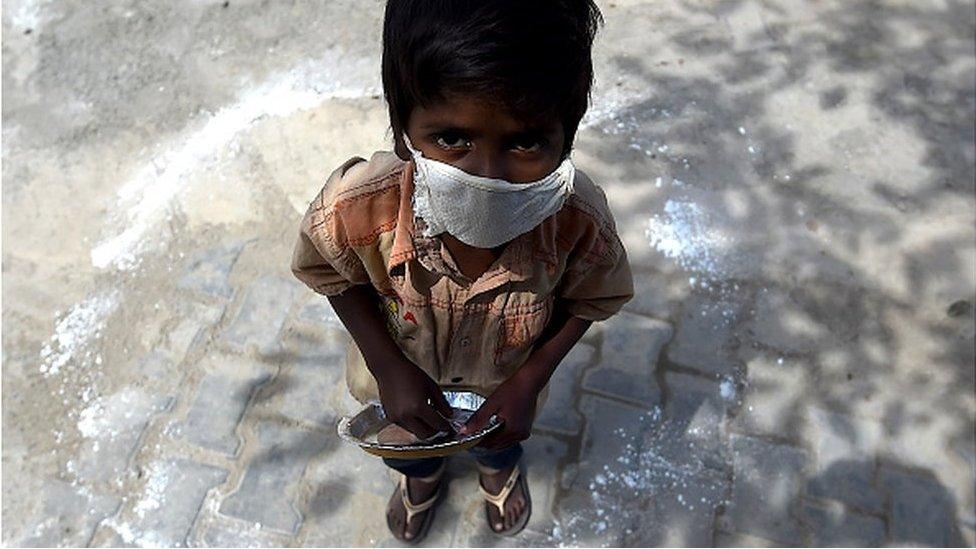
[144,200]
[683,233]
[84,321]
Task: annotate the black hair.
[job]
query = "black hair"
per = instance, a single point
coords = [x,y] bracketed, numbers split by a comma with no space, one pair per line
[532,57]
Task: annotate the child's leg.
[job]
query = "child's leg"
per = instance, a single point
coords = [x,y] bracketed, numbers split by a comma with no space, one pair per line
[497,459]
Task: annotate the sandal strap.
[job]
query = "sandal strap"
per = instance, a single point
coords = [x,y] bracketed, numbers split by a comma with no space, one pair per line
[499,499]
[417,508]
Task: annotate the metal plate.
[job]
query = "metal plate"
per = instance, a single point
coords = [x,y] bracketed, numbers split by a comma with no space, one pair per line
[361,430]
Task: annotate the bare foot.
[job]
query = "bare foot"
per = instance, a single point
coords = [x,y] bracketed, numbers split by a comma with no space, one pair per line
[396,513]
[515,505]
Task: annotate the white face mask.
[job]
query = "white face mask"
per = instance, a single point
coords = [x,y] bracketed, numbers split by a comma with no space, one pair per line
[484,212]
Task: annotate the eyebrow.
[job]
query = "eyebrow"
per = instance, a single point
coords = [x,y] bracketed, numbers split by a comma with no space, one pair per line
[531,131]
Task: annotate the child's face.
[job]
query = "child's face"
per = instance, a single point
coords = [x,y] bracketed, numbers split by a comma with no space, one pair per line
[483,139]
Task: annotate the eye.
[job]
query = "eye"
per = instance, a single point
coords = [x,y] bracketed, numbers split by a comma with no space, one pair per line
[529,144]
[451,141]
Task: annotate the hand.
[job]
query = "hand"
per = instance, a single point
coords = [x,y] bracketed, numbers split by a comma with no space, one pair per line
[405,392]
[514,404]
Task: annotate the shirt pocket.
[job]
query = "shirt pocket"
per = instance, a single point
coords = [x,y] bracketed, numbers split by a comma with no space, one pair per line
[519,330]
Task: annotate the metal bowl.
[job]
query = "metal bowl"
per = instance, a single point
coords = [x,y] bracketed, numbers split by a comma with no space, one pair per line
[363,426]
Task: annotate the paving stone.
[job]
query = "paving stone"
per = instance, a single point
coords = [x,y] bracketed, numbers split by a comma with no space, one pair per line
[164,511]
[846,449]
[541,459]
[631,345]
[694,432]
[558,413]
[767,482]
[830,526]
[782,323]
[771,398]
[314,367]
[208,270]
[67,516]
[922,510]
[677,514]
[612,432]
[317,310]
[703,337]
[231,533]
[590,519]
[221,398]
[111,427]
[196,320]
[263,311]
[730,539]
[268,490]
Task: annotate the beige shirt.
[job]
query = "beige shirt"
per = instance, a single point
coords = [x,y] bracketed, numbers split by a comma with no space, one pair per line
[466,334]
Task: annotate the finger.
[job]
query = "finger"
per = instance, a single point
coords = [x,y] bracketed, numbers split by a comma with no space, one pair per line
[429,416]
[479,419]
[439,401]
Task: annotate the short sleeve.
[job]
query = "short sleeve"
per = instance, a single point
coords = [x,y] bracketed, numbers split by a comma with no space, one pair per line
[325,265]
[596,289]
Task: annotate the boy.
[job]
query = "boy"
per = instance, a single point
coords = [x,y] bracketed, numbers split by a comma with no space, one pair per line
[476,256]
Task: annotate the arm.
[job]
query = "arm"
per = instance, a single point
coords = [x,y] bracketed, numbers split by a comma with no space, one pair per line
[515,399]
[404,388]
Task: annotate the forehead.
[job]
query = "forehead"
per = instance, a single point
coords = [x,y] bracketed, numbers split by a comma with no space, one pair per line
[477,114]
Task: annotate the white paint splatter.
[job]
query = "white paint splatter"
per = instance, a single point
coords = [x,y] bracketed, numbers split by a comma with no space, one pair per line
[144,199]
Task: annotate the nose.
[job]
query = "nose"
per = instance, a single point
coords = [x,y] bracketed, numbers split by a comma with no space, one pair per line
[486,164]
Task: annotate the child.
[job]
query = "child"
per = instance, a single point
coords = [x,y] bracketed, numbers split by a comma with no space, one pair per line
[476,255]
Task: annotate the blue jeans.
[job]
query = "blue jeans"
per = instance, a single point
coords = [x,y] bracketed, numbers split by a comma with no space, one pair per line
[495,459]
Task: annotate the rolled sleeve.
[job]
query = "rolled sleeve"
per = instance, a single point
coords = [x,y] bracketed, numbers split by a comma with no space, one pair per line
[326,266]
[597,290]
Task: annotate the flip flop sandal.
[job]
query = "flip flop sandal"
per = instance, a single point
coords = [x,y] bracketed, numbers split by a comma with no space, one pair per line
[516,478]
[414,509]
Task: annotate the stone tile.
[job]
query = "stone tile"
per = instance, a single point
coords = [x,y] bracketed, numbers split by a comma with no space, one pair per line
[344,496]
[782,323]
[703,337]
[263,311]
[67,516]
[679,515]
[631,345]
[922,510]
[830,526]
[845,448]
[590,519]
[208,270]
[541,459]
[767,482]
[558,413]
[694,430]
[613,431]
[314,367]
[728,539]
[268,490]
[771,398]
[111,427]
[231,533]
[221,398]
[194,321]
[164,511]
[318,311]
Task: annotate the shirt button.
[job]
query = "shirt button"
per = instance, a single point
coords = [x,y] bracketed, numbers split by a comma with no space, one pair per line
[465,341]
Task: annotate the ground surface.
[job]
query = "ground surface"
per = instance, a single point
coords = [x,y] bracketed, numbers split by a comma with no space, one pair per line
[793,181]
